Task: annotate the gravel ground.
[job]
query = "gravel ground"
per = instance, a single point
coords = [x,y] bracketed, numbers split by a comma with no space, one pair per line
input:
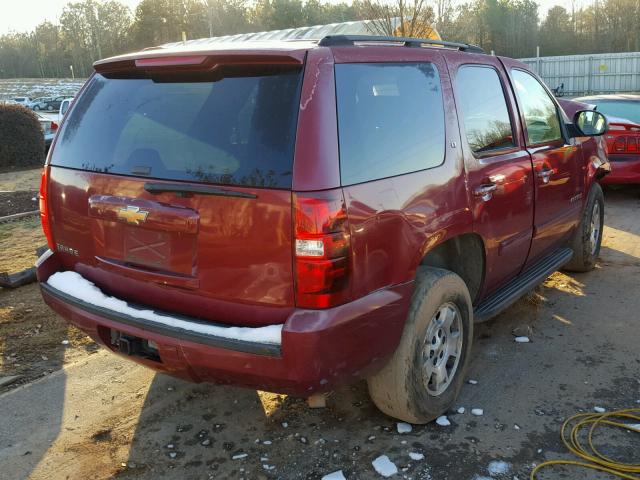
[102,417]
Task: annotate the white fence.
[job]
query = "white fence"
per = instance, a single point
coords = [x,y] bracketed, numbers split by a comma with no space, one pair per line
[585,74]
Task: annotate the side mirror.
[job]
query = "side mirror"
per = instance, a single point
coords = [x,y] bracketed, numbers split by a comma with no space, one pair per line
[589,123]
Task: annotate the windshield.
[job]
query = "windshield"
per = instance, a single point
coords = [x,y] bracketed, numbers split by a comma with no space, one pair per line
[629,110]
[237,130]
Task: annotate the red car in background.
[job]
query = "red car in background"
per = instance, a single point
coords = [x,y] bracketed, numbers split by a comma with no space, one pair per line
[623,138]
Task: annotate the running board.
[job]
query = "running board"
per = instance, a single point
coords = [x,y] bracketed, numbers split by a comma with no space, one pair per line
[526,281]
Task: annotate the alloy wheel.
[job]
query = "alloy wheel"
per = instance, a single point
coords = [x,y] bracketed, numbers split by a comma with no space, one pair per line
[442,348]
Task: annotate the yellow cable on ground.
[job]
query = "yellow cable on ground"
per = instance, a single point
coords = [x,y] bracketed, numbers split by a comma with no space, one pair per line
[592,458]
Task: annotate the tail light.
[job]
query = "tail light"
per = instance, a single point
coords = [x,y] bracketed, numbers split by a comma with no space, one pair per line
[53,127]
[625,144]
[322,249]
[44,209]
[620,144]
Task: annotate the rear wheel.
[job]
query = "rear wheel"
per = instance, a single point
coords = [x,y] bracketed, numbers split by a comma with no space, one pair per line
[587,238]
[49,108]
[36,108]
[426,372]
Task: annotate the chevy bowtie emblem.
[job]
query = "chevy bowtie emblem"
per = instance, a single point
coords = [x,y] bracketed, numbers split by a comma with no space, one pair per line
[133,215]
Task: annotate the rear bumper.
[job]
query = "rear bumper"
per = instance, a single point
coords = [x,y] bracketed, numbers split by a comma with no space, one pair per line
[624,170]
[319,349]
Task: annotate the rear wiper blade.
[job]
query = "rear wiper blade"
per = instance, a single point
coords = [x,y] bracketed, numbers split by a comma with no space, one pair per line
[185,190]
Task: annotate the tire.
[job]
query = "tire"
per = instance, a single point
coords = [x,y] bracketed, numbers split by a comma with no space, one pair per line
[587,238]
[404,388]
[49,108]
[36,108]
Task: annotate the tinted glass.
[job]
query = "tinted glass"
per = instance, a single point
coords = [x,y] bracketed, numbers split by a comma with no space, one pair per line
[540,114]
[390,120]
[237,130]
[484,109]
[628,110]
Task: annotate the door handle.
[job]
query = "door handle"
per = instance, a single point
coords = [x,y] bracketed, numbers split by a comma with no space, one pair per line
[545,174]
[485,191]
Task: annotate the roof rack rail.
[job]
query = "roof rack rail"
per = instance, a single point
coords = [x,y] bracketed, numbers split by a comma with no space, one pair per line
[339,40]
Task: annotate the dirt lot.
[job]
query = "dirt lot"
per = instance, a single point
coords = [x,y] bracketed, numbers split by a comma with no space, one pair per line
[102,417]
[31,335]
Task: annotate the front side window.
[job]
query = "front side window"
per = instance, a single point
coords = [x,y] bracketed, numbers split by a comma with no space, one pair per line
[390,119]
[484,109]
[539,111]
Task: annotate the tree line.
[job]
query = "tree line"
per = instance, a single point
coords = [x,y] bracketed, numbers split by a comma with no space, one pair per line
[92,29]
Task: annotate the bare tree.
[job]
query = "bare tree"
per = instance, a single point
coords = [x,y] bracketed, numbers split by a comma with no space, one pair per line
[399,18]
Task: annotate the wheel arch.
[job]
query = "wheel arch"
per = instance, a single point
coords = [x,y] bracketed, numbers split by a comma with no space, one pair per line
[462,254]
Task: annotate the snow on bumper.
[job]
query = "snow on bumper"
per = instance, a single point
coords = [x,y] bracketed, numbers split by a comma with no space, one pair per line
[74,285]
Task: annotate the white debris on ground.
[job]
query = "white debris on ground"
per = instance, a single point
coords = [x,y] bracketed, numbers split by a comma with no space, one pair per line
[461,410]
[498,467]
[240,456]
[416,456]
[478,412]
[404,427]
[634,425]
[335,476]
[384,466]
[522,340]
[472,382]
[443,421]
[75,285]
[516,426]
[599,409]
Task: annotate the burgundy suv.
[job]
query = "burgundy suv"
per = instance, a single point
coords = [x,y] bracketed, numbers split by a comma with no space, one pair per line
[295,216]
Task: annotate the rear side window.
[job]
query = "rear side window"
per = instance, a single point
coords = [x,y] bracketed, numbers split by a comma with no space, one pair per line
[390,120]
[539,111]
[236,130]
[484,109]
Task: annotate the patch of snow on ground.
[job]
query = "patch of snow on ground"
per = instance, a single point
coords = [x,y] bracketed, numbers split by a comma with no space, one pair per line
[240,456]
[443,421]
[478,412]
[75,285]
[472,382]
[599,409]
[498,467]
[384,466]
[461,410]
[335,476]
[522,340]
[416,456]
[404,427]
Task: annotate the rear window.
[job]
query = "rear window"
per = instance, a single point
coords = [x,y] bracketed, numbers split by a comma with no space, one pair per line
[236,130]
[390,119]
[626,110]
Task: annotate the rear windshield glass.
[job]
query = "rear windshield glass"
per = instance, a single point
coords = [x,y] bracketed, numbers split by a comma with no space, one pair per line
[237,130]
[390,120]
[625,110]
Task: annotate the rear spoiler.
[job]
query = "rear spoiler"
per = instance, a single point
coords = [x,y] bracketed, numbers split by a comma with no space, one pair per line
[159,62]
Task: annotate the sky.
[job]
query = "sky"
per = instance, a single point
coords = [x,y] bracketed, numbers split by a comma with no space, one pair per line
[24,15]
